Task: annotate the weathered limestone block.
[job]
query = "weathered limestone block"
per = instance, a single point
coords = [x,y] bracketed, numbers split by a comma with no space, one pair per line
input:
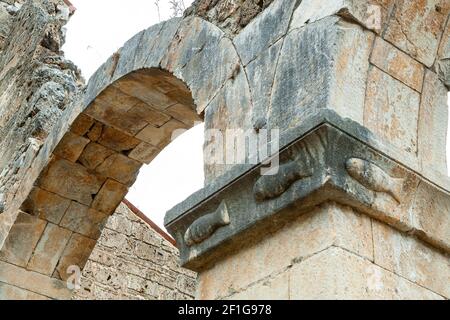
[411,259]
[144,153]
[182,113]
[151,115]
[430,209]
[8,292]
[397,64]
[322,65]
[71,147]
[128,122]
[82,124]
[46,205]
[265,30]
[5,24]
[432,131]
[361,12]
[94,155]
[311,233]
[109,196]
[22,239]
[71,180]
[416,28]
[84,220]
[392,110]
[442,64]
[76,253]
[344,275]
[33,282]
[261,74]
[230,109]
[275,288]
[49,249]
[117,140]
[134,86]
[202,48]
[160,137]
[120,168]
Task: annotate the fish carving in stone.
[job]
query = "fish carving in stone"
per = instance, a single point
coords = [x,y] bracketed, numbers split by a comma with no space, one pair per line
[203,228]
[373,177]
[272,186]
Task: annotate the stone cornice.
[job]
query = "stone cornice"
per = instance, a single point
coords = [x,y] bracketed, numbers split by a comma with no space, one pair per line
[326,163]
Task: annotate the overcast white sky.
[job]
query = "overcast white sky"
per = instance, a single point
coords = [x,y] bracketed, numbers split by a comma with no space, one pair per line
[97,30]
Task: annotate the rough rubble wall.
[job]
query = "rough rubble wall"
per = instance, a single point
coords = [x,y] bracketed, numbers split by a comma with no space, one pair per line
[230,15]
[37,84]
[132,261]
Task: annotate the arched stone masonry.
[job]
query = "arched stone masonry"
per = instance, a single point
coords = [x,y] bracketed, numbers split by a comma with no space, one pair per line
[361,109]
[153,88]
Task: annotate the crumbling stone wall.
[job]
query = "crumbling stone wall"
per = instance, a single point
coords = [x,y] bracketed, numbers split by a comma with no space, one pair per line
[133,261]
[230,15]
[37,84]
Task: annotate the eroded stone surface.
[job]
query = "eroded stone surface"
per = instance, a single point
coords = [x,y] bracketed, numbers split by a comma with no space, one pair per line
[432,132]
[84,220]
[71,180]
[76,253]
[46,205]
[346,276]
[109,196]
[22,239]
[416,28]
[397,64]
[392,110]
[411,259]
[49,249]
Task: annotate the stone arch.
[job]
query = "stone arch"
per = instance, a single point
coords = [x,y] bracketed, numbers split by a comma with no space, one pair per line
[159,82]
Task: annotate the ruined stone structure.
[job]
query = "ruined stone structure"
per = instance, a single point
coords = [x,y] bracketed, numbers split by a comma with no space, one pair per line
[133,259]
[359,206]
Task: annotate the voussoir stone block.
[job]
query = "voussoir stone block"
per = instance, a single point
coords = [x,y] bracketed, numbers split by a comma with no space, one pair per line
[71,146]
[94,155]
[82,124]
[45,205]
[117,140]
[120,168]
[49,249]
[372,14]
[144,153]
[76,253]
[70,180]
[263,31]
[159,137]
[84,220]
[22,239]
[109,196]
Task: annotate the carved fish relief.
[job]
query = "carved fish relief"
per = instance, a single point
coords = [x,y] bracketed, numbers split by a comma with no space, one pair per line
[204,227]
[373,177]
[272,186]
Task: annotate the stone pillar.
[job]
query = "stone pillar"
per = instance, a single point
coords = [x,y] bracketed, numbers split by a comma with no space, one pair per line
[360,204]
